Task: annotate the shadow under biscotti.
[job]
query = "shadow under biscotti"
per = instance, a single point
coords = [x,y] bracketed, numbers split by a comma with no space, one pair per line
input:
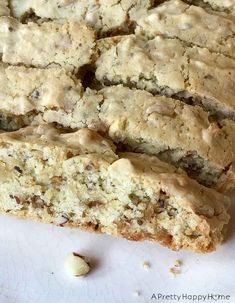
[231,226]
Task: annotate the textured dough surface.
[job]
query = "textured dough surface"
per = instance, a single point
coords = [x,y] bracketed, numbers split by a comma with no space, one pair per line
[191,24]
[102,15]
[67,44]
[49,176]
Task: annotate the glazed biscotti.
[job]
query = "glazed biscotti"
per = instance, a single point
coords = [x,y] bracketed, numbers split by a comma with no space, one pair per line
[103,15]
[176,132]
[69,44]
[191,24]
[170,67]
[4,9]
[50,176]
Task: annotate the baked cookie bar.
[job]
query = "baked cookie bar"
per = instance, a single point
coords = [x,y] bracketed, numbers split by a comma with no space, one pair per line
[170,67]
[191,24]
[69,44]
[4,9]
[103,15]
[174,131]
[25,92]
[76,179]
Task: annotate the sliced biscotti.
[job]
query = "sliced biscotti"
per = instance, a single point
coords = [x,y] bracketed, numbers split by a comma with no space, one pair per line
[178,133]
[191,24]
[4,9]
[68,44]
[25,92]
[170,67]
[34,96]
[103,15]
[71,180]
[174,131]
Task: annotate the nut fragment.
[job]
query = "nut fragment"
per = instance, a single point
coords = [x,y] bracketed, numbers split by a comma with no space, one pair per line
[76,265]
[146,265]
[177,263]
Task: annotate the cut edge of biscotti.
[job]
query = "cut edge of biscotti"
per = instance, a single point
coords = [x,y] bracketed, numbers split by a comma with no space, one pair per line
[46,177]
[226,6]
[196,71]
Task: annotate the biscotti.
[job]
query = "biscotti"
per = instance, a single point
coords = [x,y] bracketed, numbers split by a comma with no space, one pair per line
[170,67]
[69,44]
[76,177]
[191,24]
[25,92]
[174,131]
[4,9]
[103,15]
[34,96]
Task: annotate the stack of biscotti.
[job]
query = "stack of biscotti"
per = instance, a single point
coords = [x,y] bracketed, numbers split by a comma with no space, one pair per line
[77,179]
[119,117]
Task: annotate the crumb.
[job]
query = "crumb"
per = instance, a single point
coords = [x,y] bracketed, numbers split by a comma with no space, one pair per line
[146,265]
[177,263]
[136,293]
[175,269]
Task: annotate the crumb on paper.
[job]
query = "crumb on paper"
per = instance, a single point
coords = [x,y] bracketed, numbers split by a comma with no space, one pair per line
[146,265]
[136,293]
[76,265]
[175,269]
[177,263]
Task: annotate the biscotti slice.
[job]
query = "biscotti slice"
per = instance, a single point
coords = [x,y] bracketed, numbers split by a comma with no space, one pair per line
[169,67]
[191,24]
[103,15]
[178,133]
[69,44]
[58,178]
[25,92]
[174,131]
[4,9]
